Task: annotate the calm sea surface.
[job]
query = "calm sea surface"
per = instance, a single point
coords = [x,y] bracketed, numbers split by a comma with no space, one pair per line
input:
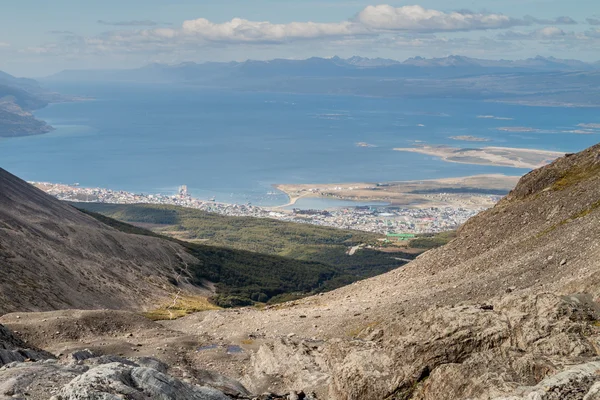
[234,146]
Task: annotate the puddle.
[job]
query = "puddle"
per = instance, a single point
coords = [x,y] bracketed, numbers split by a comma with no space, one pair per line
[208,347]
[230,349]
[234,349]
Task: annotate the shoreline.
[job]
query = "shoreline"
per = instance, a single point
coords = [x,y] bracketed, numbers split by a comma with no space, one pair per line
[482,184]
[425,206]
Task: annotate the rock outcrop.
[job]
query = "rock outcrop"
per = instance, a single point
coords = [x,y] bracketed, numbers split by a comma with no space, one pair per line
[84,375]
[98,378]
[13,349]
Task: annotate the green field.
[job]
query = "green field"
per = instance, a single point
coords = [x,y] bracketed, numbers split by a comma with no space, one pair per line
[256,260]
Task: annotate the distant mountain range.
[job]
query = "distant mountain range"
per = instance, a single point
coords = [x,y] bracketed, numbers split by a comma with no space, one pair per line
[451,66]
[536,63]
[534,81]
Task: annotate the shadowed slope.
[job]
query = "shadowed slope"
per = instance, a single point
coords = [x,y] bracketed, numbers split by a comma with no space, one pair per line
[53,256]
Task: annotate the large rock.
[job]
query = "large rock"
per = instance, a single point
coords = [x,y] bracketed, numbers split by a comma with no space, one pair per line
[109,381]
[474,351]
[99,378]
[468,351]
[13,349]
[576,383]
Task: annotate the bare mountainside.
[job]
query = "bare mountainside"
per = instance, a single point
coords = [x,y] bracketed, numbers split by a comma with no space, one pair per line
[52,256]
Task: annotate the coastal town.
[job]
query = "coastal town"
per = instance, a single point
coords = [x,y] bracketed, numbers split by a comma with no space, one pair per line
[388,219]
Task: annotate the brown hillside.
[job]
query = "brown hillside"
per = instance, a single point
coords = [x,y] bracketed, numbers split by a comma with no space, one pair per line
[52,256]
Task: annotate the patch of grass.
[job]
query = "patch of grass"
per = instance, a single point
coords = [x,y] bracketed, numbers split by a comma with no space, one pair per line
[356,332]
[180,308]
[587,211]
[572,218]
[284,298]
[431,241]
[576,175]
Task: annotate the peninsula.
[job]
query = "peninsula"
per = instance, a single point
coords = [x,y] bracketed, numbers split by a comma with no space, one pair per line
[469,138]
[497,156]
[470,192]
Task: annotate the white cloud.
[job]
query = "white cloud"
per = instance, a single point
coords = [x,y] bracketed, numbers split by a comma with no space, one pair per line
[549,32]
[4,45]
[372,20]
[592,33]
[242,30]
[417,18]
[564,20]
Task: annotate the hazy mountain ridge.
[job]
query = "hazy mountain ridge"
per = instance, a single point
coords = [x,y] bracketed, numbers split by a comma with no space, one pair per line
[453,76]
[18,97]
[317,66]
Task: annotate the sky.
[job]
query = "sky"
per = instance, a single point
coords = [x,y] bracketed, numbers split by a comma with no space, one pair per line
[42,37]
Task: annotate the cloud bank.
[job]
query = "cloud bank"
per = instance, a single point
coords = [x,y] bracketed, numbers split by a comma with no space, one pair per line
[242,30]
[372,20]
[382,26]
[419,19]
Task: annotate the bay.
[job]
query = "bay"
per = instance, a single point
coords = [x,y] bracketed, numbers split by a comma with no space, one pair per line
[234,146]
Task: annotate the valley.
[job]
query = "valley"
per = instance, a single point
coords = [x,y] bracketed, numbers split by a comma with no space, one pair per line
[512,296]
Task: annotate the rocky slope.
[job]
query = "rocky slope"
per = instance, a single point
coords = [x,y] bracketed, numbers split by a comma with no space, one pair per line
[510,302]
[52,256]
